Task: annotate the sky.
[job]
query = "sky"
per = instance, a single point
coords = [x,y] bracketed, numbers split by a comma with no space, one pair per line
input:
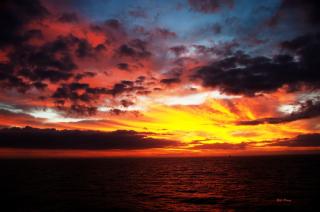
[100,78]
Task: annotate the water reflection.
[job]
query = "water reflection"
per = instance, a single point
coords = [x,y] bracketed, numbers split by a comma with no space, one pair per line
[176,184]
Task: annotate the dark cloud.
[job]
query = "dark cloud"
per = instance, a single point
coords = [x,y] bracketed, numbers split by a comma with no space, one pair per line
[52,61]
[305,140]
[32,33]
[70,91]
[309,109]
[38,64]
[40,85]
[52,55]
[78,98]
[115,111]
[164,33]
[178,50]
[113,28]
[10,81]
[125,86]
[77,109]
[126,103]
[136,48]
[56,54]
[14,15]
[125,50]
[308,10]
[79,92]
[42,74]
[209,6]
[84,49]
[100,48]
[158,33]
[80,76]
[69,18]
[140,79]
[247,75]
[123,66]
[169,81]
[138,13]
[223,49]
[113,23]
[32,138]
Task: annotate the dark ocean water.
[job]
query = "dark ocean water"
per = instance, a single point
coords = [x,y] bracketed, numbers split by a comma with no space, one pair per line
[277,183]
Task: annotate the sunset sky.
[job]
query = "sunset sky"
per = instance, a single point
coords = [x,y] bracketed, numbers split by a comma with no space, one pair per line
[97,78]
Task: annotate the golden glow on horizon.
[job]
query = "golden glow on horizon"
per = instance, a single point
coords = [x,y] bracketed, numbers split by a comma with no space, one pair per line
[213,121]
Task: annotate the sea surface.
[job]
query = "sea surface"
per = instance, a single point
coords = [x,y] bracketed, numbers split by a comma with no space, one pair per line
[268,183]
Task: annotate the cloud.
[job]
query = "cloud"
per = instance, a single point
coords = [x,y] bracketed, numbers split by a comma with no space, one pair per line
[113,23]
[126,103]
[178,50]
[69,18]
[123,66]
[84,49]
[307,10]
[247,75]
[125,86]
[78,109]
[305,140]
[169,81]
[223,49]
[82,75]
[163,33]
[33,138]
[78,98]
[209,6]
[40,85]
[135,48]
[140,79]
[308,109]
[28,65]
[9,81]
[52,61]
[17,117]
[138,13]
[70,91]
[14,15]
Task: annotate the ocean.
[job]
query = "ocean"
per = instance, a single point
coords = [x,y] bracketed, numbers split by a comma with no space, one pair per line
[259,183]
